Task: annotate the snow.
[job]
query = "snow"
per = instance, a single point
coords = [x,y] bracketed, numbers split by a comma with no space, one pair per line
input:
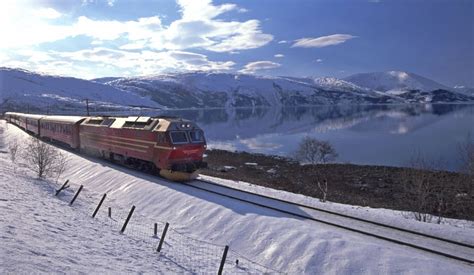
[39,91]
[394,80]
[42,234]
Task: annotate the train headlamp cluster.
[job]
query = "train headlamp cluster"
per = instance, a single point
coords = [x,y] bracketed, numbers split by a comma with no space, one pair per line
[185,125]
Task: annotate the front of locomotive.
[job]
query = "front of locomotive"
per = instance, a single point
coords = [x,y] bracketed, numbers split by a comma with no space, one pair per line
[180,149]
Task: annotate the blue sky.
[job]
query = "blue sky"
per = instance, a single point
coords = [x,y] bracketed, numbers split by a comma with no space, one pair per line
[97,38]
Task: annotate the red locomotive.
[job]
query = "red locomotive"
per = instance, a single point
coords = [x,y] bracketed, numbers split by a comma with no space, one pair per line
[172,146]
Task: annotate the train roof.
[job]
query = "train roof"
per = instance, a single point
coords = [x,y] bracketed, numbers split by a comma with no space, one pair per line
[64,119]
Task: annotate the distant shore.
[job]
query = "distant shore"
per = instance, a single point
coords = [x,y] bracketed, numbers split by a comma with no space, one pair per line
[364,185]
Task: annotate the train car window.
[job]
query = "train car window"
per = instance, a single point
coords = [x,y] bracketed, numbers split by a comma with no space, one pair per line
[178,137]
[95,121]
[196,136]
[107,122]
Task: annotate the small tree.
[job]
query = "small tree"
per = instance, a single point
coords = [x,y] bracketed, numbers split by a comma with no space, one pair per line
[44,159]
[315,151]
[324,189]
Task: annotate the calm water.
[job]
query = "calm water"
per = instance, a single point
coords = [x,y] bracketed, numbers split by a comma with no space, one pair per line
[361,134]
[379,135]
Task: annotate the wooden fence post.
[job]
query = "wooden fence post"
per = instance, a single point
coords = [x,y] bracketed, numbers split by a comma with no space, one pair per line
[98,206]
[62,188]
[224,256]
[128,219]
[163,235]
[77,194]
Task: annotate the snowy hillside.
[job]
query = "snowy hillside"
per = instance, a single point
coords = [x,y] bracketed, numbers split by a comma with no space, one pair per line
[395,80]
[41,233]
[19,88]
[239,90]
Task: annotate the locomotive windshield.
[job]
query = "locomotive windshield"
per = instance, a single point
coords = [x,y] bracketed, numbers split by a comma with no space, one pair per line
[196,136]
[179,137]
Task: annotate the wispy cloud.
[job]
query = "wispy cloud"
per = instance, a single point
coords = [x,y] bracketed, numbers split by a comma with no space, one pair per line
[282,42]
[319,60]
[253,67]
[279,55]
[323,41]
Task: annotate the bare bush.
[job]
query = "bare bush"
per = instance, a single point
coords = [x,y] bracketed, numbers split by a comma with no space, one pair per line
[324,189]
[431,196]
[315,151]
[44,159]
[466,153]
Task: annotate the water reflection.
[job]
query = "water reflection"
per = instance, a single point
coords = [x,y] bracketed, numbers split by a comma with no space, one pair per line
[363,134]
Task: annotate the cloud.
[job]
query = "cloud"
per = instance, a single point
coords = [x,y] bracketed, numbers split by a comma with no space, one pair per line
[282,42]
[319,60]
[279,55]
[142,62]
[47,13]
[252,67]
[197,28]
[141,45]
[323,41]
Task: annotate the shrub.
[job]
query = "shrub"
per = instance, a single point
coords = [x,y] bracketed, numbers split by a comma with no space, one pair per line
[311,150]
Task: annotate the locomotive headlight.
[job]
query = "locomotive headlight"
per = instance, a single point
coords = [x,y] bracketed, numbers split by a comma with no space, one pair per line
[174,148]
[182,125]
[188,125]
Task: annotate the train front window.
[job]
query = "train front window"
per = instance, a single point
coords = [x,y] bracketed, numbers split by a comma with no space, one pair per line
[179,137]
[196,136]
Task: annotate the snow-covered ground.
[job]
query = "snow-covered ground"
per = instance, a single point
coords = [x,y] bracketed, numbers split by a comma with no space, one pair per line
[41,233]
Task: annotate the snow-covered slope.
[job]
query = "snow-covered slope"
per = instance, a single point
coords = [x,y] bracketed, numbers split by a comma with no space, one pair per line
[394,80]
[19,88]
[49,235]
[239,90]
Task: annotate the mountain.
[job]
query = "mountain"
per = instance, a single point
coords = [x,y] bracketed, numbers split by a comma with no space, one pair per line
[24,89]
[21,88]
[201,89]
[469,91]
[395,81]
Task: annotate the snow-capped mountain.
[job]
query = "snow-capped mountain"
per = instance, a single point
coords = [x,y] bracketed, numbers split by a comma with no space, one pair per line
[200,89]
[395,80]
[21,88]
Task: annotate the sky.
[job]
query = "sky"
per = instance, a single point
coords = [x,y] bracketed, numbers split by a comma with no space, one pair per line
[305,38]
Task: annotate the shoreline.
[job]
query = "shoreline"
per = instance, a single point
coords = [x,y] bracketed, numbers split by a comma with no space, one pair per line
[363,185]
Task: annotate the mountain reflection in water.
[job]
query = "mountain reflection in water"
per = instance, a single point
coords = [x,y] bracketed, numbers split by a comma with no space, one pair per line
[361,134]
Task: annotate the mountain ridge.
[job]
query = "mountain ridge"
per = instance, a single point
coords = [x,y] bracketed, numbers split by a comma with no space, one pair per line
[216,90]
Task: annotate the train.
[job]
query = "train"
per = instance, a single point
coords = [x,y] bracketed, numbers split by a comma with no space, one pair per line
[173,147]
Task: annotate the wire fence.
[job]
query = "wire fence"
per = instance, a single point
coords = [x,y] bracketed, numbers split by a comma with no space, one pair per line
[191,254]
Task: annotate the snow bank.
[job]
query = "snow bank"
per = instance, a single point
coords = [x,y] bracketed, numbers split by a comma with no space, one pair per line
[277,240]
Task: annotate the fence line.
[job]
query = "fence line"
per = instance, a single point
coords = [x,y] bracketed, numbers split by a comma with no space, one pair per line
[192,254]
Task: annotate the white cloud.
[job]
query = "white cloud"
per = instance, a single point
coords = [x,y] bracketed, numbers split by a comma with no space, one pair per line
[322,41]
[282,42]
[143,62]
[252,67]
[47,13]
[279,55]
[197,28]
[319,60]
[142,45]
[110,3]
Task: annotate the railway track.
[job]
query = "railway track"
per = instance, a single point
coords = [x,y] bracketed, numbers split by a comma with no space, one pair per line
[452,249]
